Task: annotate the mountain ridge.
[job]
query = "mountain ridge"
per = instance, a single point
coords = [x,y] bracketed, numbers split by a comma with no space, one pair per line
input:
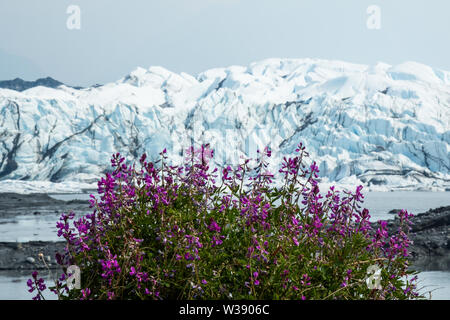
[20,85]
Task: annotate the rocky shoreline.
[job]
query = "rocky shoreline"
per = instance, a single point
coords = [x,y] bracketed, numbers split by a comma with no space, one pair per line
[27,256]
[430,234]
[13,204]
[21,256]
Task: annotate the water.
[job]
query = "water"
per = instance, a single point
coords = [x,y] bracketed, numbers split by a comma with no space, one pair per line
[380,203]
[71,196]
[42,227]
[26,228]
[13,286]
[438,282]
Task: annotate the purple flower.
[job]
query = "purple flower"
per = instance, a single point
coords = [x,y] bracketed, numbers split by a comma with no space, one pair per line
[213,226]
[85,293]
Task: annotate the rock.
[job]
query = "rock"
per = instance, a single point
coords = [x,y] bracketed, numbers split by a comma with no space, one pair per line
[30,260]
[395,211]
[430,233]
[22,85]
[26,258]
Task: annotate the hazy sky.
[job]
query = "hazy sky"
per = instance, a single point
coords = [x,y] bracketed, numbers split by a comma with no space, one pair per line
[194,35]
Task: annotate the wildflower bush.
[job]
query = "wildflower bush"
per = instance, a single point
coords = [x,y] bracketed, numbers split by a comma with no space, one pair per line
[159,231]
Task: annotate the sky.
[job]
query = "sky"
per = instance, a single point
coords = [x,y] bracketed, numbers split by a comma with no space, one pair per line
[115,37]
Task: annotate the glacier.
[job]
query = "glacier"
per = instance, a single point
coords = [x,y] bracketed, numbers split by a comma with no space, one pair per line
[385,127]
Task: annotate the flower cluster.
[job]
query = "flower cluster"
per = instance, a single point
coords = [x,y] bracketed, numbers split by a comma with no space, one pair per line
[36,284]
[159,231]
